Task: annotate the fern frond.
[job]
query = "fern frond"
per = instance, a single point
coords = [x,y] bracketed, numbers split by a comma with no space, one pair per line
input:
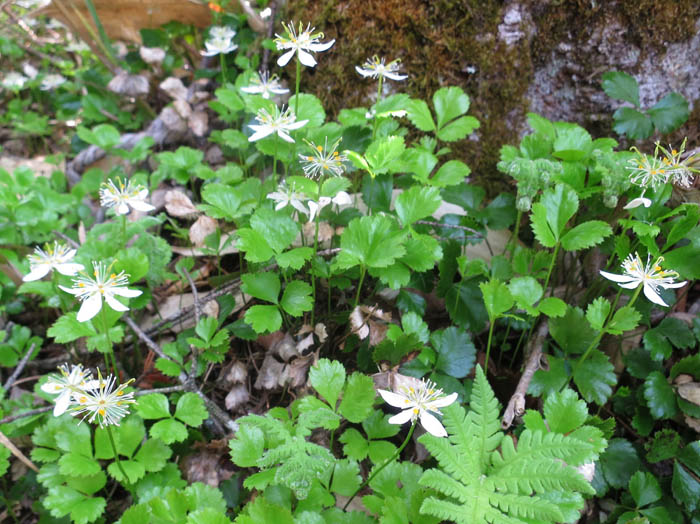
[436,479]
[526,507]
[539,477]
[465,467]
[482,422]
[272,428]
[534,445]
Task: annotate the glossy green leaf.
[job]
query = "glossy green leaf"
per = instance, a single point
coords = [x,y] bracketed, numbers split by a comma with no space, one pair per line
[263,318]
[327,378]
[669,113]
[417,203]
[585,235]
[621,86]
[644,488]
[296,298]
[264,286]
[191,410]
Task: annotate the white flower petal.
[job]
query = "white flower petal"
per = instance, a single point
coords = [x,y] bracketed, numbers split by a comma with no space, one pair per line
[126,292]
[364,72]
[393,399]
[401,418]
[442,401]
[321,46]
[296,125]
[90,307]
[285,58]
[306,58]
[299,206]
[618,278]
[313,207]
[253,90]
[62,403]
[37,273]
[672,284]
[260,132]
[71,290]
[342,199]
[140,205]
[636,202]
[122,209]
[69,269]
[631,285]
[115,304]
[50,387]
[653,296]
[432,425]
[395,76]
[284,136]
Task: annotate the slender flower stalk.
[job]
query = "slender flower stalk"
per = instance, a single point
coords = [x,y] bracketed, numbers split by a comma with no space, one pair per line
[57,257]
[650,276]
[103,284]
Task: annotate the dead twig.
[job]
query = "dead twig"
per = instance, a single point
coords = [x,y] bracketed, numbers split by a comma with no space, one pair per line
[516,404]
[30,413]
[18,370]
[16,452]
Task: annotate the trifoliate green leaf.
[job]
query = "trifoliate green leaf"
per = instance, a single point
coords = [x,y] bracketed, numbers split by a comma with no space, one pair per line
[67,329]
[153,406]
[355,446]
[660,397]
[247,446]
[296,298]
[265,286]
[327,378]
[644,489]
[190,409]
[276,227]
[417,203]
[263,318]
[77,465]
[63,500]
[585,235]
[497,298]
[564,411]
[597,313]
[625,319]
[224,201]
[372,241]
[621,86]
[595,377]
[294,258]
[169,430]
[381,155]
[619,462]
[358,398]
[632,123]
[450,103]
[254,245]
[669,113]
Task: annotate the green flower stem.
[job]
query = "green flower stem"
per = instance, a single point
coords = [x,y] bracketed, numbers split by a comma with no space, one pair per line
[379,98]
[296,90]
[551,266]
[602,331]
[109,343]
[274,160]
[123,219]
[514,237]
[389,461]
[317,219]
[222,59]
[363,270]
[488,345]
[116,455]
[61,300]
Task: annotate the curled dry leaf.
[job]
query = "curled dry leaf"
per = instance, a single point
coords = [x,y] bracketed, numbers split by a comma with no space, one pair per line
[152,55]
[178,204]
[129,85]
[172,121]
[325,233]
[174,88]
[238,396]
[208,464]
[211,309]
[373,322]
[183,108]
[271,372]
[237,373]
[690,391]
[199,123]
[692,422]
[203,227]
[82,234]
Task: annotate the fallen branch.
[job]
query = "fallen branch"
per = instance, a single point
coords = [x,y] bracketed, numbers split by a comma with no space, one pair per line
[516,404]
[18,370]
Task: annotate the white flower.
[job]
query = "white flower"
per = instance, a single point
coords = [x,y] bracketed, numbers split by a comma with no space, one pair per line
[52,81]
[91,291]
[651,276]
[216,46]
[14,80]
[417,403]
[56,257]
[280,123]
[323,160]
[302,43]
[67,386]
[341,199]
[285,196]
[222,32]
[100,400]
[121,196]
[680,172]
[264,84]
[375,67]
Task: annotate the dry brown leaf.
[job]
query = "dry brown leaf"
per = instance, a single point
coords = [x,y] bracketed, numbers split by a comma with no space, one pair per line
[201,252]
[692,422]
[37,164]
[305,343]
[237,397]
[373,322]
[199,123]
[172,121]
[152,55]
[297,370]
[203,227]
[208,464]
[211,309]
[237,374]
[270,374]
[183,108]
[174,88]
[129,85]
[178,204]
[325,233]
[82,234]
[690,391]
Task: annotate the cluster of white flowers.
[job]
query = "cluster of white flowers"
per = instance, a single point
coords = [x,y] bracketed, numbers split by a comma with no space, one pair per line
[654,171]
[14,81]
[280,122]
[417,402]
[51,81]
[288,196]
[98,399]
[648,275]
[220,41]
